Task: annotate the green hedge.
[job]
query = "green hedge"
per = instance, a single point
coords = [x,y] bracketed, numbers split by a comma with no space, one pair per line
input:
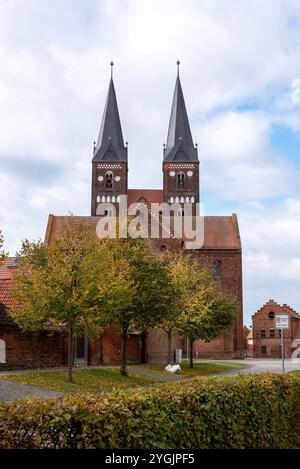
[250,411]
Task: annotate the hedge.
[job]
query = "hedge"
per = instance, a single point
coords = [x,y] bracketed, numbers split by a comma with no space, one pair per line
[250,411]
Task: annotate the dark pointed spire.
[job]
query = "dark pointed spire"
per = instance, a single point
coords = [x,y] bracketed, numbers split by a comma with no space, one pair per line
[110,144]
[180,146]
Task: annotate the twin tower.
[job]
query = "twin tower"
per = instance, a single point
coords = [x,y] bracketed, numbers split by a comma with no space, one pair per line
[180,157]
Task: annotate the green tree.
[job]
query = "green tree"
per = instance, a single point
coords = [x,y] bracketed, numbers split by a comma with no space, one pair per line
[206,312]
[169,323]
[54,284]
[147,290]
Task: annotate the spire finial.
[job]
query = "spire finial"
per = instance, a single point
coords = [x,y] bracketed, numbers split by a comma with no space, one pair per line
[178,63]
[111,69]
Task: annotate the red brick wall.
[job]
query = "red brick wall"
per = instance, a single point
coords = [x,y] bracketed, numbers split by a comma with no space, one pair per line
[157,346]
[32,350]
[231,345]
[106,349]
[191,186]
[118,168]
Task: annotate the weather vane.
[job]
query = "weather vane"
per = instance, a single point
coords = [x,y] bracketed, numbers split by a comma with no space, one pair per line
[178,63]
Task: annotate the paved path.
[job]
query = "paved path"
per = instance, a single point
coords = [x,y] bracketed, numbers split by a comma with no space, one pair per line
[264,366]
[11,390]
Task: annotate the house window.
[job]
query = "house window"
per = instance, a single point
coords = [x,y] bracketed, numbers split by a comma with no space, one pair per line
[108,180]
[218,269]
[262,333]
[264,350]
[272,333]
[180,180]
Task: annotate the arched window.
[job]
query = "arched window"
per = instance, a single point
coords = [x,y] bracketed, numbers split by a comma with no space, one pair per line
[108,180]
[218,269]
[180,212]
[180,180]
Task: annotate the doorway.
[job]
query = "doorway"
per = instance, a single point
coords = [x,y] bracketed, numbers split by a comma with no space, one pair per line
[81,351]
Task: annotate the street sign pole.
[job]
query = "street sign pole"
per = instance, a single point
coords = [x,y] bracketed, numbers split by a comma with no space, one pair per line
[282,323]
[282,348]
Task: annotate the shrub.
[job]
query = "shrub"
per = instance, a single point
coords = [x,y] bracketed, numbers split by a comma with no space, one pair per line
[258,411]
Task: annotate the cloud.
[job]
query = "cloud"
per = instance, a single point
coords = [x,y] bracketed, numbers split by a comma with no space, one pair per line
[271,260]
[238,64]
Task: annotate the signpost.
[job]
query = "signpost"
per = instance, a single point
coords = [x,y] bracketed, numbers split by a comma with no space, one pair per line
[282,322]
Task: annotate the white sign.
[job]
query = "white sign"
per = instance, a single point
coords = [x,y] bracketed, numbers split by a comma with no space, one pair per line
[282,321]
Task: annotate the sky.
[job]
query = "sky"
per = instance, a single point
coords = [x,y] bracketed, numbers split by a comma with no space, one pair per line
[240,73]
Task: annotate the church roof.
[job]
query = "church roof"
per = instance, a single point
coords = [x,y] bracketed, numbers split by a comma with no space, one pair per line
[180,146]
[220,233]
[110,143]
[153,196]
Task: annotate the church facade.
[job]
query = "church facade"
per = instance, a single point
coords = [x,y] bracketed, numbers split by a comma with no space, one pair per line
[220,250]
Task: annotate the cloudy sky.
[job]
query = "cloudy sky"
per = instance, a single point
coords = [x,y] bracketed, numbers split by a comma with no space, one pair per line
[240,71]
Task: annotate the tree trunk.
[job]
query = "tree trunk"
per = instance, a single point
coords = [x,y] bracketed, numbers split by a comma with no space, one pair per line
[124,350]
[191,343]
[169,333]
[70,354]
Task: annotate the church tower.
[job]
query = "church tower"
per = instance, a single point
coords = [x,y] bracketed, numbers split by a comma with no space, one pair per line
[109,164]
[180,163]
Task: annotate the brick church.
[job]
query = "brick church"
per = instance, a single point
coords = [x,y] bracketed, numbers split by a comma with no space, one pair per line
[220,252]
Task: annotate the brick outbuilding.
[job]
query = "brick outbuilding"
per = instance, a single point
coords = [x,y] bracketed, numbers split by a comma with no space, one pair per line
[266,338]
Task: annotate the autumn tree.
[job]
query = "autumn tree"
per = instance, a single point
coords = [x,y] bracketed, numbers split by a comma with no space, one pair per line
[54,284]
[3,254]
[147,299]
[206,312]
[169,323]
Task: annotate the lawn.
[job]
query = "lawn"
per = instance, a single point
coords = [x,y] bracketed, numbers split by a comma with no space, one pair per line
[95,380]
[201,368]
[86,380]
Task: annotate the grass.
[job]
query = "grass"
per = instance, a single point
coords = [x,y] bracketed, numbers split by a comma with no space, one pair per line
[95,380]
[92,380]
[201,368]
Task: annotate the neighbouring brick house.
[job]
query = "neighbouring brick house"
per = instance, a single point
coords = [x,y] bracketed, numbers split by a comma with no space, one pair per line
[25,350]
[250,344]
[266,339]
[221,251]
